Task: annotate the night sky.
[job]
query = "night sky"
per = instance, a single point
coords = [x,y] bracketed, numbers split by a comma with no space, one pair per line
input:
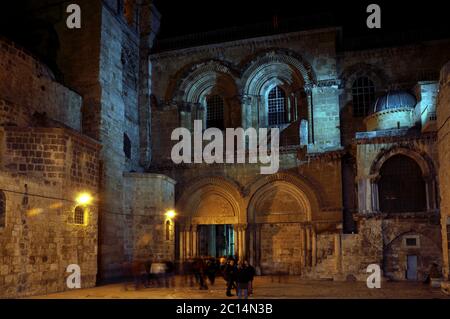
[181,17]
[184,17]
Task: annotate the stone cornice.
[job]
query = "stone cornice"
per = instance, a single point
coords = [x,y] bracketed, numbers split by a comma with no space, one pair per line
[424,137]
[150,176]
[389,51]
[330,155]
[263,41]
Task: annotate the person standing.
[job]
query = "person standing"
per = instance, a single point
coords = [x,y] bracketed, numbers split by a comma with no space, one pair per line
[211,270]
[242,280]
[251,274]
[230,276]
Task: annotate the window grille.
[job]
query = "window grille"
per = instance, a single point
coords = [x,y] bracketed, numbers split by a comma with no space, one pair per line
[363,92]
[214,112]
[277,107]
[78,217]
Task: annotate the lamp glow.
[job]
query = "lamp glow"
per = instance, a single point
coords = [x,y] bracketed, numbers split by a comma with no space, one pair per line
[84,199]
[170,214]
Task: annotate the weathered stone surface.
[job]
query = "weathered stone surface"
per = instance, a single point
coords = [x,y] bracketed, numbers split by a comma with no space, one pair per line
[443,114]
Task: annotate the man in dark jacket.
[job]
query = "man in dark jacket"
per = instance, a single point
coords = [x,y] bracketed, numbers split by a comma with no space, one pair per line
[230,275]
[251,273]
[199,273]
[243,278]
[211,270]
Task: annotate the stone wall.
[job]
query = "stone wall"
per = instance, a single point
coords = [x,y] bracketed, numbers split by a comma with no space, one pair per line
[149,198]
[381,241]
[43,171]
[106,62]
[443,114]
[28,86]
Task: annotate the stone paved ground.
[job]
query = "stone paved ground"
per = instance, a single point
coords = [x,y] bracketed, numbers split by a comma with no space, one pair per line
[265,287]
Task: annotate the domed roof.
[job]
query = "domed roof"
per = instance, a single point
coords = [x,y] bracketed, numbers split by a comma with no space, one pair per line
[395,100]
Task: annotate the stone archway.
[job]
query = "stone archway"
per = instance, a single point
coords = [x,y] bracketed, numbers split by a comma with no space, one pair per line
[421,159]
[281,236]
[208,201]
[203,80]
[270,69]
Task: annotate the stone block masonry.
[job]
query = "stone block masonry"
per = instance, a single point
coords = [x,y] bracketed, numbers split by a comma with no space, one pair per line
[42,172]
[443,123]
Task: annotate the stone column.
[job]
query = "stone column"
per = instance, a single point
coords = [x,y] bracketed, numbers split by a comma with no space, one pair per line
[303,240]
[237,240]
[246,111]
[337,252]
[430,193]
[295,113]
[194,232]
[308,246]
[199,113]
[251,244]
[262,115]
[314,246]
[188,241]
[309,98]
[258,248]
[374,195]
[243,243]
[289,108]
[182,243]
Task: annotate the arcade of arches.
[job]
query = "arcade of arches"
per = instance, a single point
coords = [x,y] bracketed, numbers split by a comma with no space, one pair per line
[257,224]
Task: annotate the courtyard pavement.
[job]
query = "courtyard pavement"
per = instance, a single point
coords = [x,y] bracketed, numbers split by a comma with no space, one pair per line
[264,288]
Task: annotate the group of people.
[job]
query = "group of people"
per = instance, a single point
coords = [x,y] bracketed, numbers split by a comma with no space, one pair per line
[150,273]
[238,275]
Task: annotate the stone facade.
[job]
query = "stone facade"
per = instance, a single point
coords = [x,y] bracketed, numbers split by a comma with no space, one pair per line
[443,113]
[45,164]
[319,216]
[100,119]
[107,63]
[152,233]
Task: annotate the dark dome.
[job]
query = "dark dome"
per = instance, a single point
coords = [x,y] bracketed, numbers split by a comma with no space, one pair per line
[395,100]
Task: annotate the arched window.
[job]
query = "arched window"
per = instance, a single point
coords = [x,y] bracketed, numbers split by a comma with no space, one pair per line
[168,230]
[2,209]
[401,187]
[363,92]
[78,216]
[214,112]
[277,106]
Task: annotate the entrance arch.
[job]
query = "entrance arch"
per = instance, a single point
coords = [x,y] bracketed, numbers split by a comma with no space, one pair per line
[425,167]
[209,201]
[281,235]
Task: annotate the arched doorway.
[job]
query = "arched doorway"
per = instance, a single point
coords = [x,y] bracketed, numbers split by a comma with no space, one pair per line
[209,219]
[403,181]
[281,237]
[401,186]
